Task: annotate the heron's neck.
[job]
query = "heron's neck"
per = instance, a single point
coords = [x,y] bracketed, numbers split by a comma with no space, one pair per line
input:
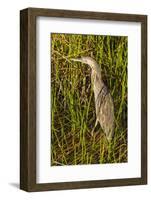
[97,68]
[97,82]
[96,72]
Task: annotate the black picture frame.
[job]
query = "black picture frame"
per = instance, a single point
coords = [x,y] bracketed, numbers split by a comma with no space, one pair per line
[28,98]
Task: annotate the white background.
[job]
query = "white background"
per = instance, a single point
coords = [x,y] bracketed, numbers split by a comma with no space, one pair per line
[9,99]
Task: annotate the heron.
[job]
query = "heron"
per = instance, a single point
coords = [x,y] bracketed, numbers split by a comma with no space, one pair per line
[104,106]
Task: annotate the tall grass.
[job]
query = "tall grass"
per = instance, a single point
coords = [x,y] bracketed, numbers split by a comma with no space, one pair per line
[72,99]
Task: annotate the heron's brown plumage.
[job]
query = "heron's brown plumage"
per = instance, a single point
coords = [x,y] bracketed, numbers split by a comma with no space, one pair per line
[103,101]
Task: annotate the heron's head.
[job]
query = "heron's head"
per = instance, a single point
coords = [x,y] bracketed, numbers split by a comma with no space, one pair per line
[87,60]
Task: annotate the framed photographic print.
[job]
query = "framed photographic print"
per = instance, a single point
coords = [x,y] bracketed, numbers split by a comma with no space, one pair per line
[83,99]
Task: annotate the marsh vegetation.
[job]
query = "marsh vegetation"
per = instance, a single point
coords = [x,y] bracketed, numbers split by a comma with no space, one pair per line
[72,99]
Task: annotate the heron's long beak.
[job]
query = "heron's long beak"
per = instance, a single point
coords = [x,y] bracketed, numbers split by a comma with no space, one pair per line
[76,59]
